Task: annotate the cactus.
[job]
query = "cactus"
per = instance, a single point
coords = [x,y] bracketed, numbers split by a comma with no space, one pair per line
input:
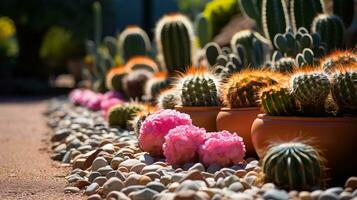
[344,90]
[142,63]
[174,37]
[134,41]
[134,83]
[252,8]
[212,51]
[277,100]
[198,87]
[155,84]
[294,166]
[305,58]
[114,78]
[345,10]
[311,89]
[111,44]
[203,29]
[284,65]
[338,59]
[242,89]
[97,12]
[303,12]
[274,18]
[252,44]
[121,115]
[168,99]
[331,30]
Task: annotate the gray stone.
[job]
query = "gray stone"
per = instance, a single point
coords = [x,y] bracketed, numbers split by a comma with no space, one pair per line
[187,166]
[115,195]
[198,166]
[328,196]
[95,197]
[275,194]
[93,175]
[345,196]
[336,190]
[316,194]
[236,187]
[150,168]
[98,163]
[71,189]
[100,180]
[67,157]
[132,188]
[60,135]
[191,185]
[146,158]
[113,184]
[230,180]
[104,170]
[91,189]
[157,186]
[129,163]
[213,168]
[251,165]
[145,194]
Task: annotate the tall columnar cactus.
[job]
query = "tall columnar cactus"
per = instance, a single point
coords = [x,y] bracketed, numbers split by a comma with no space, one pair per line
[252,8]
[174,37]
[344,90]
[97,12]
[252,44]
[311,90]
[242,89]
[277,100]
[345,10]
[121,115]
[303,12]
[198,87]
[284,65]
[338,59]
[134,41]
[203,29]
[330,28]
[294,166]
[275,18]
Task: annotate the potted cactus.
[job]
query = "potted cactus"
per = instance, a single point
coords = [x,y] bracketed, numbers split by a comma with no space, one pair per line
[199,92]
[315,106]
[240,97]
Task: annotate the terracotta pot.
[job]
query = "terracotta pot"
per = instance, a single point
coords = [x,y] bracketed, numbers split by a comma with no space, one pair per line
[239,120]
[335,136]
[203,117]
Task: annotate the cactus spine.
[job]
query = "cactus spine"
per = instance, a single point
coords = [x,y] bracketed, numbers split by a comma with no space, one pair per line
[277,100]
[338,59]
[330,28]
[274,18]
[303,12]
[311,90]
[198,87]
[344,90]
[174,36]
[134,41]
[121,115]
[294,166]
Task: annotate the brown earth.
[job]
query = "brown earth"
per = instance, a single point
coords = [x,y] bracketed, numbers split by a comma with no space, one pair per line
[26,170]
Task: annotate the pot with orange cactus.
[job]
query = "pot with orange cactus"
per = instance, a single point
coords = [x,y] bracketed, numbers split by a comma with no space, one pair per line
[198,90]
[240,97]
[302,109]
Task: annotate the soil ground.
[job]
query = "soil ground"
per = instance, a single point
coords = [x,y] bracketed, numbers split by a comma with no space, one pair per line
[26,170]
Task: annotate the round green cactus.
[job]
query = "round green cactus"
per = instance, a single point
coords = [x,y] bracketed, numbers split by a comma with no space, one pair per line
[337,60]
[278,101]
[199,89]
[284,65]
[168,99]
[311,90]
[294,166]
[121,115]
[344,91]
[156,84]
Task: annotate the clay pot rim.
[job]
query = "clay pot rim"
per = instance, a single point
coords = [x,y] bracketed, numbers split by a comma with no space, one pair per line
[197,108]
[239,109]
[264,116]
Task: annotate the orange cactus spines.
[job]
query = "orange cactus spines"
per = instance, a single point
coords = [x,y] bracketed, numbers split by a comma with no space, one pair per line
[142,62]
[338,59]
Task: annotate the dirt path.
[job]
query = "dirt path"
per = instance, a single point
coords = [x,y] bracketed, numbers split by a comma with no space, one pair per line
[26,170]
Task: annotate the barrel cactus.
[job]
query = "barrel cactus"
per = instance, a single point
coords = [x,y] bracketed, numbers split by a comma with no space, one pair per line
[344,90]
[294,166]
[252,44]
[174,37]
[114,78]
[275,18]
[311,89]
[242,89]
[198,87]
[330,28]
[134,41]
[159,81]
[168,99]
[284,65]
[338,59]
[303,12]
[121,115]
[134,83]
[277,100]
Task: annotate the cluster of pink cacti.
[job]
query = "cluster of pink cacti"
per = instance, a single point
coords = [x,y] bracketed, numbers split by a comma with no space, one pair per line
[171,133]
[95,101]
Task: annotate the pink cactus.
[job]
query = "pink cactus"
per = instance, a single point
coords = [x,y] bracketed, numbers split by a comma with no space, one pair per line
[156,126]
[75,96]
[222,148]
[182,143]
